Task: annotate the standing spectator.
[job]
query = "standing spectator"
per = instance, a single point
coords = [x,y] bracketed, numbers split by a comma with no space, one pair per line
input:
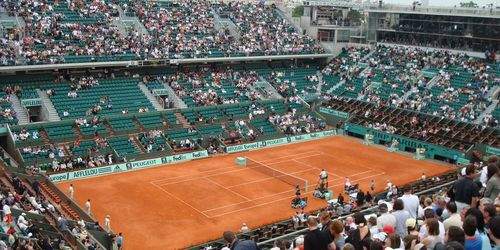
[36,186]
[410,201]
[472,240]
[466,191]
[385,217]
[336,229]
[372,185]
[325,220]
[454,218]
[493,184]
[401,216]
[315,240]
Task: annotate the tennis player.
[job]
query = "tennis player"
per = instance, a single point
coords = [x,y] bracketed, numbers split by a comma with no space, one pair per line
[323,178]
[297,192]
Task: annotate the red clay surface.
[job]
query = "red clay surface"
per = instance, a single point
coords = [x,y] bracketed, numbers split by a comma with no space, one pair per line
[176,206]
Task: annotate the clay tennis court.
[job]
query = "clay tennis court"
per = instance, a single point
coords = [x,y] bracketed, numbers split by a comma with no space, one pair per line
[180,205]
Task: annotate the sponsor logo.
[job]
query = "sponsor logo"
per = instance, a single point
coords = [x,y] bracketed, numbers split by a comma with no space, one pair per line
[58,177]
[104,170]
[117,169]
[85,173]
[128,165]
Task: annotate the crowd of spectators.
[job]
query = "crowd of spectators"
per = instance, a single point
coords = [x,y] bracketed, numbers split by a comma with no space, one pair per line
[209,87]
[56,30]
[462,216]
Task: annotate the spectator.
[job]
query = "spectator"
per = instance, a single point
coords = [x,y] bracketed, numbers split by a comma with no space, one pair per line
[385,217]
[494,231]
[432,237]
[360,236]
[314,239]
[454,218]
[236,244]
[336,230]
[493,183]
[472,240]
[410,201]
[429,215]
[401,216]
[466,191]
[454,233]
[480,230]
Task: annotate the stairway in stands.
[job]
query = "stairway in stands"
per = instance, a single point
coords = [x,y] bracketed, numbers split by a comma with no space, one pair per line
[182,119]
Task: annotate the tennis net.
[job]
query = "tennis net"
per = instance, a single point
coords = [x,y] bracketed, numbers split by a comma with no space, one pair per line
[282,176]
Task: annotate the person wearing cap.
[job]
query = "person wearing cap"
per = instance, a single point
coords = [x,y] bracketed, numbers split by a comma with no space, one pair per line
[385,217]
[454,218]
[466,191]
[411,227]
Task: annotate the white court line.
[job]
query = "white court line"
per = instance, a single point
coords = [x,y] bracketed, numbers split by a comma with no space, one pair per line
[265,203]
[268,178]
[287,156]
[263,197]
[311,166]
[187,175]
[217,184]
[179,199]
[271,162]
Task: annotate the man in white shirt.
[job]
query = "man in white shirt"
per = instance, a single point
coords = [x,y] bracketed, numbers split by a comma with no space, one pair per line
[107,223]
[87,206]
[385,217]
[71,191]
[323,177]
[454,218]
[411,202]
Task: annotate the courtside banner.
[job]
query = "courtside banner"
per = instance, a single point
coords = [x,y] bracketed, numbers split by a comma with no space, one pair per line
[279,141]
[78,174]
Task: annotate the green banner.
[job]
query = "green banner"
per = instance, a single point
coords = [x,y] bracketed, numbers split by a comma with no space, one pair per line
[334,112]
[31,102]
[279,141]
[127,166]
[160,92]
[405,142]
[492,150]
